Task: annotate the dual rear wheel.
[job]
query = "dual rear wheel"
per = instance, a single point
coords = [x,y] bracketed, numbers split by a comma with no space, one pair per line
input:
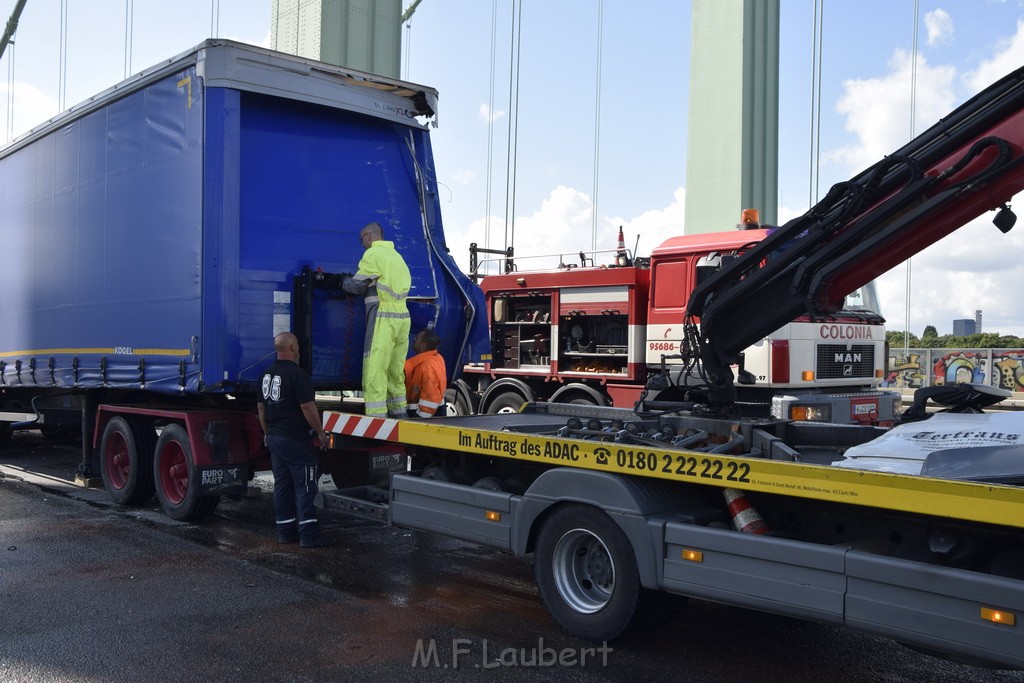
[135,463]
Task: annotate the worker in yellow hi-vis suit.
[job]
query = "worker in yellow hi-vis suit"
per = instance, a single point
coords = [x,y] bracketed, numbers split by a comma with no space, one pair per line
[384,279]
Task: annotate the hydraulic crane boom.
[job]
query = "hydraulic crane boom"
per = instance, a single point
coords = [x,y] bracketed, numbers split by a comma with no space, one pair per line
[12,26]
[969,162]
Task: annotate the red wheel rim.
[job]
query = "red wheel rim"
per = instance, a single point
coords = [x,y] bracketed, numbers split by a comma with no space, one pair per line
[118,460]
[173,472]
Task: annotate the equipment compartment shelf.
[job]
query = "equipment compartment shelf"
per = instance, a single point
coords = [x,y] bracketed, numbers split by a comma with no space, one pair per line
[592,354]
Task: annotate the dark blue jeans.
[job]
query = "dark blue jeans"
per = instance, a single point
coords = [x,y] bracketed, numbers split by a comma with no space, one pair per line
[295,486]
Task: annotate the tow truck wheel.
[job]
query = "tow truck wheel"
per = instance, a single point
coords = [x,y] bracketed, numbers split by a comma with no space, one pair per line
[177,481]
[586,572]
[126,460]
[508,402]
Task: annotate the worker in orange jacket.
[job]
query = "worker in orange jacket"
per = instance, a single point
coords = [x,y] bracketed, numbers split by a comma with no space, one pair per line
[426,377]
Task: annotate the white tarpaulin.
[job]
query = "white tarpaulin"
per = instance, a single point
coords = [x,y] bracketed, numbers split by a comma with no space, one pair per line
[904,448]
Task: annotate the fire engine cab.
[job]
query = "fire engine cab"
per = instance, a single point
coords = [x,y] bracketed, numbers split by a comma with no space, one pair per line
[609,334]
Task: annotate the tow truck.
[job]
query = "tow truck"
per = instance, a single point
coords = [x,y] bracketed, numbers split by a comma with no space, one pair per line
[694,498]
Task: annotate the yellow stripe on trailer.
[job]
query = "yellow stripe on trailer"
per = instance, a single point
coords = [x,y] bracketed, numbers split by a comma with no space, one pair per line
[952,499]
[107,350]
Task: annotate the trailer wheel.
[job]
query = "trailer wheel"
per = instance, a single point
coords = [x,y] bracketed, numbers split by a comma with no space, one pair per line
[126,459]
[508,402]
[586,572]
[177,484]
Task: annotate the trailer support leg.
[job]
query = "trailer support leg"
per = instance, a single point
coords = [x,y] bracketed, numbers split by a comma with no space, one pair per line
[88,473]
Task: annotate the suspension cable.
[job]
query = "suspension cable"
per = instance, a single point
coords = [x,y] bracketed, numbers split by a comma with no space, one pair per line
[597,122]
[10,90]
[513,129]
[62,71]
[913,106]
[408,50]
[129,21]
[815,143]
[214,18]
[490,126]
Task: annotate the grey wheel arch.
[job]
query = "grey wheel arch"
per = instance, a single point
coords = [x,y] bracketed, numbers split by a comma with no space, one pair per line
[627,500]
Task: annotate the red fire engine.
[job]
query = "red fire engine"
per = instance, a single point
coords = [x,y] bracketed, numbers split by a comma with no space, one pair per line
[607,334]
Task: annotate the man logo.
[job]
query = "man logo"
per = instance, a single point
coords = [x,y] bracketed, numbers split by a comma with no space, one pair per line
[847,371]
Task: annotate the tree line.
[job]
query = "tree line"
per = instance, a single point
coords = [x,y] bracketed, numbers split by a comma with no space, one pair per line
[930,339]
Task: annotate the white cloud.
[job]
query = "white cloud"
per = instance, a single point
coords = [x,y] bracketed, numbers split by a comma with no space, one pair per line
[489,115]
[563,226]
[654,226]
[558,226]
[976,267]
[265,41]
[1009,55]
[939,25]
[31,107]
[877,109]
[464,176]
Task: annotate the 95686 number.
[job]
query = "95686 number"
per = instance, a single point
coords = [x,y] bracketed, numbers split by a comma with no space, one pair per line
[686,465]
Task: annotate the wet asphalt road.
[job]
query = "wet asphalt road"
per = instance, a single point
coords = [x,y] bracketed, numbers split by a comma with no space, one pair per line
[91,591]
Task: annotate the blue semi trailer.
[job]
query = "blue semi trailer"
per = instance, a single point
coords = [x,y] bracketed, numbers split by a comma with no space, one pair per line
[161,233]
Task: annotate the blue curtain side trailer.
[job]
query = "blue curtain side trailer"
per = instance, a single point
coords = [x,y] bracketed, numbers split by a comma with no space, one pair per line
[161,233]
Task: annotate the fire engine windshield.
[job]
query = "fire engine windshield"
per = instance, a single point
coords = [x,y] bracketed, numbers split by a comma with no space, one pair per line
[863,300]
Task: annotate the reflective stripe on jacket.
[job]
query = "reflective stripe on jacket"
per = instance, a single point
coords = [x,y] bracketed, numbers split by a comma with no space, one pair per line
[386,276]
[425,382]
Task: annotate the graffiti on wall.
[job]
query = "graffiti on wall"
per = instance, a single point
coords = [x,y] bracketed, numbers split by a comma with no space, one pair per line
[1010,368]
[960,367]
[905,371]
[931,367]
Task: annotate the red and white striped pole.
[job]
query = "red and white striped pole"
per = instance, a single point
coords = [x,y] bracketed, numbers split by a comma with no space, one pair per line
[744,517]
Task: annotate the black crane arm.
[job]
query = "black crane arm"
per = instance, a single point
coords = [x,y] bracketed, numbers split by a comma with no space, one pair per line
[969,162]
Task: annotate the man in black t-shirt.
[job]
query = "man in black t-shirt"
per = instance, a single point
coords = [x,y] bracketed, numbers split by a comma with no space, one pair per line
[287,414]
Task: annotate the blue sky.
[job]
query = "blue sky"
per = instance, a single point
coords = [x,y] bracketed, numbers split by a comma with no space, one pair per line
[640,143]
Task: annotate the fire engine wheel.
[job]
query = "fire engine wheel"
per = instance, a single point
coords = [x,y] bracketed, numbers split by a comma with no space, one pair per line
[176,475]
[456,404]
[126,459]
[586,572]
[508,402]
